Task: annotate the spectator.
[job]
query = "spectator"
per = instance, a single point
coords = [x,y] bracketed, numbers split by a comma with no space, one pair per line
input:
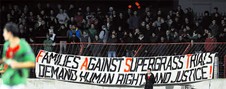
[62,31]
[71,10]
[163,24]
[206,21]
[71,31]
[112,49]
[147,33]
[125,38]
[175,37]
[209,45]
[62,17]
[214,28]
[31,19]
[31,35]
[120,34]
[78,32]
[121,21]
[134,21]
[96,48]
[194,37]
[72,21]
[158,22]
[154,38]
[104,34]
[48,44]
[52,35]
[79,19]
[168,37]
[92,31]
[222,36]
[181,39]
[85,38]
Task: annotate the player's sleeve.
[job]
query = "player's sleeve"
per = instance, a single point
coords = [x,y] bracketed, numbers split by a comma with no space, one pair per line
[29,54]
[3,66]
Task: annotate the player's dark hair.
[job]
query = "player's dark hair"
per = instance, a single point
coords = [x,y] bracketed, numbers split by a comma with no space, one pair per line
[13,28]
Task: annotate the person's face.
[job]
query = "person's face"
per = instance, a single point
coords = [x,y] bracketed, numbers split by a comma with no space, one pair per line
[96,37]
[51,12]
[92,25]
[148,71]
[6,34]
[153,34]
[61,11]
[120,28]
[121,15]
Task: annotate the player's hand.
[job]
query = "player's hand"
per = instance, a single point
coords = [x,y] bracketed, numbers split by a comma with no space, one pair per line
[14,64]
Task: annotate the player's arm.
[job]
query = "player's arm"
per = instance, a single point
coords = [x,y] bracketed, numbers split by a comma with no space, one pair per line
[3,70]
[18,65]
[2,60]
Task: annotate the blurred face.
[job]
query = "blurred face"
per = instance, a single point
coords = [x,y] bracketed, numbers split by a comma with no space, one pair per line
[96,37]
[148,71]
[92,25]
[120,14]
[153,34]
[120,28]
[6,34]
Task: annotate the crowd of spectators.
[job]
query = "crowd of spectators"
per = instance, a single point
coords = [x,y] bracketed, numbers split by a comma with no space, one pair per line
[57,23]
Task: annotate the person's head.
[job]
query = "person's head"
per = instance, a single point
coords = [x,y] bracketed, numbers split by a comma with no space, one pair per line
[84,33]
[92,26]
[78,13]
[179,7]
[135,13]
[87,8]
[31,13]
[30,29]
[180,38]
[119,28]
[206,13]
[162,39]
[125,33]
[167,32]
[72,19]
[149,71]
[153,34]
[10,30]
[42,12]
[142,23]
[96,37]
[61,11]
[214,21]
[148,13]
[130,35]
[147,26]
[71,6]
[210,34]
[120,15]
[113,35]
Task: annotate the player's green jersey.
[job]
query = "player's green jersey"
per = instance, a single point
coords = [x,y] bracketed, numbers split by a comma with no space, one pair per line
[24,54]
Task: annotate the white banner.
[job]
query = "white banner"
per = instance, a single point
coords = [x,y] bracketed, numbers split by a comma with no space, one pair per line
[128,71]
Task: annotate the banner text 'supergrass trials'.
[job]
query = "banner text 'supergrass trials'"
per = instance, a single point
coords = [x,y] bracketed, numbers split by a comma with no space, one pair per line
[124,70]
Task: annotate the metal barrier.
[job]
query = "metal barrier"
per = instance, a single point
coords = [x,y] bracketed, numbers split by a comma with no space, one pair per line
[136,49]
